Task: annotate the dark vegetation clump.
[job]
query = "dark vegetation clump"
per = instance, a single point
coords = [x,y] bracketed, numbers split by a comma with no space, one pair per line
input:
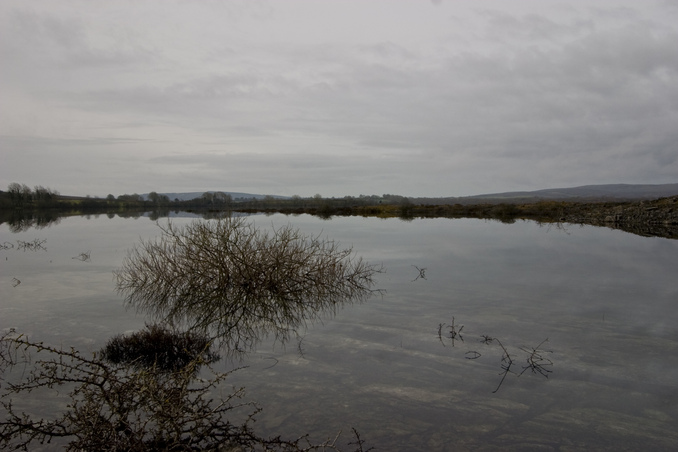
[158,347]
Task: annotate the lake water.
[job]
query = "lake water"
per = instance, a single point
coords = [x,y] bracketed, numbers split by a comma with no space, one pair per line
[606,300]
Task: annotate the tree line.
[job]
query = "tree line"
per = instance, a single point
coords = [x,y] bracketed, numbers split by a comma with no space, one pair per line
[22,194]
[22,197]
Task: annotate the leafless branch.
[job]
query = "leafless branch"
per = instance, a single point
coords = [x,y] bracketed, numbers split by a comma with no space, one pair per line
[536,361]
[422,273]
[112,407]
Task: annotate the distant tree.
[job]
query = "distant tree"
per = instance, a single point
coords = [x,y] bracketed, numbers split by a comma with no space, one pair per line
[21,194]
[26,193]
[130,198]
[207,198]
[43,195]
[40,193]
[14,190]
[222,198]
[269,201]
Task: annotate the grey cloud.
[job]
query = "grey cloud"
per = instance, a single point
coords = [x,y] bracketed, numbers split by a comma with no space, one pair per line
[22,141]
[44,30]
[64,42]
[511,96]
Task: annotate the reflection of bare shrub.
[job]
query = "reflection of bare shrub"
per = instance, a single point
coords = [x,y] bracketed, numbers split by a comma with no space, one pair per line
[157,347]
[34,245]
[119,407]
[235,281]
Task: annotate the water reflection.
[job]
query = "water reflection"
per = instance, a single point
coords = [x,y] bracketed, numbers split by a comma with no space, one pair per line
[237,284]
[21,221]
[605,299]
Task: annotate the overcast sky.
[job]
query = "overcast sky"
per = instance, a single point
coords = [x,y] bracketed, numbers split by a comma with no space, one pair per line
[341,97]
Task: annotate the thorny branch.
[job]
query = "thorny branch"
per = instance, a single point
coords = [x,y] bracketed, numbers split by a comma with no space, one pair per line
[115,407]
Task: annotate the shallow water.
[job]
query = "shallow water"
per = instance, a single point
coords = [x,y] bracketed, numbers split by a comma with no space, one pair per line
[604,299]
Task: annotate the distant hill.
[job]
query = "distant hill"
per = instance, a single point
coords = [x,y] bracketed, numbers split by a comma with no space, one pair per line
[611,192]
[608,192]
[197,194]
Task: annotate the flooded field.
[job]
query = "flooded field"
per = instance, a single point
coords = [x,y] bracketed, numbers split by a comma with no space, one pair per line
[483,336]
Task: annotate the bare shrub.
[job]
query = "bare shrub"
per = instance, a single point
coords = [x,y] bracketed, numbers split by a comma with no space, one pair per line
[120,407]
[227,278]
[113,407]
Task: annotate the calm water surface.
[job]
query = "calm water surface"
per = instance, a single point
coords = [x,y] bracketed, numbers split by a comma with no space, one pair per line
[606,301]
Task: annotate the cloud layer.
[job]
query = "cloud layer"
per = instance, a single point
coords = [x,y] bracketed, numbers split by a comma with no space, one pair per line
[419,98]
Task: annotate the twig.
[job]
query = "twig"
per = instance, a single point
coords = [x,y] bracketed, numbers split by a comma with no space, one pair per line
[536,361]
[359,442]
[487,339]
[422,273]
[272,365]
[455,333]
[300,349]
[506,363]
[440,333]
[85,257]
